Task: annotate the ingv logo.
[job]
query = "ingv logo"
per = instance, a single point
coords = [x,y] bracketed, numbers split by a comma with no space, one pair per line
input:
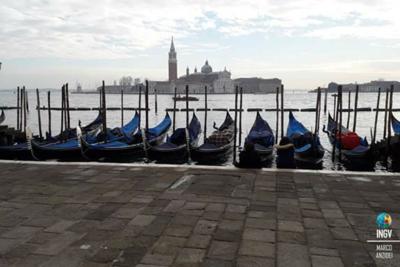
[384,248]
[383,221]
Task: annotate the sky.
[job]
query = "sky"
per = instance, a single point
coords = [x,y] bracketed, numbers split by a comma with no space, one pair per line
[306,43]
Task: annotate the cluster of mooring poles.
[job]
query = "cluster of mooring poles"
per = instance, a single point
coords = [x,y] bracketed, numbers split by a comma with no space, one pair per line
[22,108]
[383,149]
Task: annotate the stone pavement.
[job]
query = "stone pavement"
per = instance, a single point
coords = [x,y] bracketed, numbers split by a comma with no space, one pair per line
[80,215]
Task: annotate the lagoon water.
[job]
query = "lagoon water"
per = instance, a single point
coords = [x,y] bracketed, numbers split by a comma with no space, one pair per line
[293,99]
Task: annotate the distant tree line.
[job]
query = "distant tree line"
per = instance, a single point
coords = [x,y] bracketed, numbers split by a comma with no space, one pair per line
[128,81]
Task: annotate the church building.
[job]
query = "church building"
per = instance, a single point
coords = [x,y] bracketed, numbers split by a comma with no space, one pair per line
[217,82]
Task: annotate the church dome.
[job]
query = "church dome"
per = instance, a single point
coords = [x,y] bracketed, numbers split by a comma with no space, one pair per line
[206,68]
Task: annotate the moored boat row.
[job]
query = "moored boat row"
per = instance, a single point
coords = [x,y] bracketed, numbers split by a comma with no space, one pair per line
[300,147]
[127,143]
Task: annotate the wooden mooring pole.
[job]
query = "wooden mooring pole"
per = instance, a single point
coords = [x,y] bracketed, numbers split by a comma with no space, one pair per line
[282,110]
[389,138]
[240,116]
[18,107]
[376,115]
[277,116]
[326,100]
[205,114]
[25,108]
[340,107]
[187,106]
[140,105]
[103,105]
[348,111]
[338,127]
[155,101]
[22,107]
[355,109]
[67,107]
[334,106]
[386,113]
[38,111]
[122,108]
[147,105]
[26,101]
[62,109]
[101,100]
[49,112]
[235,132]
[174,112]
[317,110]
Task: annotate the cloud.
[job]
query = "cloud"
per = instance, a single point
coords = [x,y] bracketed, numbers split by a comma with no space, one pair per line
[117,29]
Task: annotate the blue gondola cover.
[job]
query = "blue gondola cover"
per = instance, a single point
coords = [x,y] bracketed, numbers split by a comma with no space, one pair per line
[261,133]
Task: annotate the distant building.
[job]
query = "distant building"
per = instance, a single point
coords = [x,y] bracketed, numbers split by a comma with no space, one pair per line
[372,86]
[79,88]
[128,89]
[217,82]
[258,85]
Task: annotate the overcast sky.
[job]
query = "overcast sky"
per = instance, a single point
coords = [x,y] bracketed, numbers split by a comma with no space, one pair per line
[306,43]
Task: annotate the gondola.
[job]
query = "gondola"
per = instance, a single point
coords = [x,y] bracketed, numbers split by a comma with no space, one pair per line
[65,146]
[395,144]
[2,117]
[395,125]
[218,146]
[130,147]
[360,157]
[178,146]
[394,152]
[19,150]
[263,139]
[13,145]
[308,150]
[71,133]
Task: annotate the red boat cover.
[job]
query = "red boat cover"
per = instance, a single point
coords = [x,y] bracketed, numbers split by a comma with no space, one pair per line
[349,140]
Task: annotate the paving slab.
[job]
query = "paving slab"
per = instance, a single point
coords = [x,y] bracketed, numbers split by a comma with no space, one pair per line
[126,215]
[326,261]
[223,250]
[293,254]
[257,248]
[190,256]
[245,261]
[259,235]
[198,241]
[59,243]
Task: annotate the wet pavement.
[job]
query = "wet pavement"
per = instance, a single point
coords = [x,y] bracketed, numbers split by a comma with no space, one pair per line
[131,215]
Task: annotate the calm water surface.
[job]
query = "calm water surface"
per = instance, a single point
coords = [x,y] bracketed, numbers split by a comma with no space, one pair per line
[293,99]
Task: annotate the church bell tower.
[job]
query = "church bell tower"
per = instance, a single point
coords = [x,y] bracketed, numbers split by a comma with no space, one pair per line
[172,63]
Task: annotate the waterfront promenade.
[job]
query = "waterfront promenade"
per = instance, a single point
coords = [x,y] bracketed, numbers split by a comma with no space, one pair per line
[143,215]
